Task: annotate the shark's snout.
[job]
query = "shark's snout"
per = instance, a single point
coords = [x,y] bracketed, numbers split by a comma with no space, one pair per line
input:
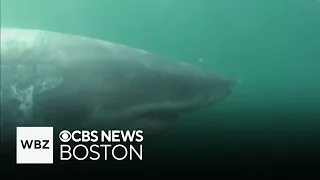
[219,89]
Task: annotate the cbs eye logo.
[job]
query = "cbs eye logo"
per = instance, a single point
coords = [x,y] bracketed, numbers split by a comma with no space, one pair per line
[65,136]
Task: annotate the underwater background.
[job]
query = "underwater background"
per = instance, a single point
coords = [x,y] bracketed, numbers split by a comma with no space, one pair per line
[271,46]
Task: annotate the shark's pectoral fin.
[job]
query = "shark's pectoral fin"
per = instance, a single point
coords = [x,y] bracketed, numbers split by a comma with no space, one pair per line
[154,123]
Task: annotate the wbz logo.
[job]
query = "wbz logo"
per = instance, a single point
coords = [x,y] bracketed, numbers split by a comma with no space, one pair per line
[34,145]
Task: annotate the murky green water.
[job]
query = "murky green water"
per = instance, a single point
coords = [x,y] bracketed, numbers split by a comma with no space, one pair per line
[273,46]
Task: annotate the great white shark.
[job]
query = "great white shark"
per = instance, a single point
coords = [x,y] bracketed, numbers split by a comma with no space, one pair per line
[72,81]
